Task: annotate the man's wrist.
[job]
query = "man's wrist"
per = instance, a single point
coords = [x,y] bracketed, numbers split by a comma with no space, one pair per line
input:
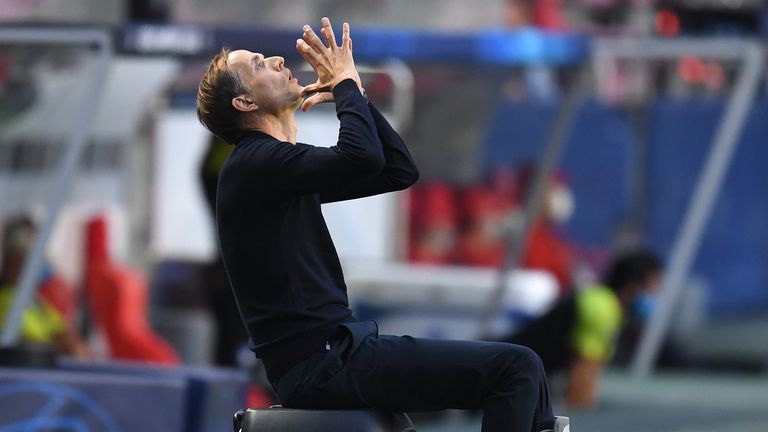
[340,80]
[347,86]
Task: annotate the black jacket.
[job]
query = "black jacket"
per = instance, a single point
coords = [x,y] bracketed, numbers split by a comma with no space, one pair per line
[279,256]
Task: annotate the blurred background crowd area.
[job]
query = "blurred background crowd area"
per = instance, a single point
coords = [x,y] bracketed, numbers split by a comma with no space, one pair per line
[131,268]
[738,17]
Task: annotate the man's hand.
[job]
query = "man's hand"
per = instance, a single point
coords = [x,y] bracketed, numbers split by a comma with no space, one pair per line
[315,99]
[333,64]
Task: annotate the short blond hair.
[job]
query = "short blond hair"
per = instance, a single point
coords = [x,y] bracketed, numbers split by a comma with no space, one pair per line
[219,85]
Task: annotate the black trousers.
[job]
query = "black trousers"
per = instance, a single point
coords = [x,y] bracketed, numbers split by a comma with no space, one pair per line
[360,369]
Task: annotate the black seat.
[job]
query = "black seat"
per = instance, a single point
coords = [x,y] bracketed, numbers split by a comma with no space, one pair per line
[304,420]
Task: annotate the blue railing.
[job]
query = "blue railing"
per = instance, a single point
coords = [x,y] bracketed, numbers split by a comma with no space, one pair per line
[490,47]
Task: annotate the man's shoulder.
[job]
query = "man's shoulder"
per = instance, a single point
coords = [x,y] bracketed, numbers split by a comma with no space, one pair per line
[266,147]
[252,151]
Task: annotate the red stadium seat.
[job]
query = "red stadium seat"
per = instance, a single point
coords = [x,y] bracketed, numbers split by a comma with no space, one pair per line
[118,299]
[58,293]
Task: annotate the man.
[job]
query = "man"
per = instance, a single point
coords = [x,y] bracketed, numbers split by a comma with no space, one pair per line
[283,267]
[579,333]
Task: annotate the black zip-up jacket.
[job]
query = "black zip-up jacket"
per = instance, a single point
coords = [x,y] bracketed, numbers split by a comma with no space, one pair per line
[279,256]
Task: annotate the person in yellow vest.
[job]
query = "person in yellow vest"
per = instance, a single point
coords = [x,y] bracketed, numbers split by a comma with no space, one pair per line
[579,333]
[41,322]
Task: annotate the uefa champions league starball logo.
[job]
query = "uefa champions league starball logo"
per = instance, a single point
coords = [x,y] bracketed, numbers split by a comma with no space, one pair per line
[40,406]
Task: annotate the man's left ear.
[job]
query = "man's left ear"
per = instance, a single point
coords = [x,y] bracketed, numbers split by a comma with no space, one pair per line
[244,103]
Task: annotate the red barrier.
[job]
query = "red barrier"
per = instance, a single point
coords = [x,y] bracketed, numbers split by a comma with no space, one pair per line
[118,299]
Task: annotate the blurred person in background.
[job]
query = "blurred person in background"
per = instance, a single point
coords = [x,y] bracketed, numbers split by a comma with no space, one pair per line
[230,335]
[579,333]
[547,247]
[486,214]
[42,322]
[231,339]
[283,267]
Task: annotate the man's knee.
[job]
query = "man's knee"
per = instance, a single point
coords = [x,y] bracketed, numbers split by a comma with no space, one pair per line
[522,360]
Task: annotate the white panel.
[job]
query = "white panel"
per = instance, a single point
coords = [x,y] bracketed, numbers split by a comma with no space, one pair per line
[362,228]
[181,225]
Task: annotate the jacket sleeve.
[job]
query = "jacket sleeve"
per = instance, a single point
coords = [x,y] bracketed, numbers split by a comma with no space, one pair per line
[300,169]
[399,170]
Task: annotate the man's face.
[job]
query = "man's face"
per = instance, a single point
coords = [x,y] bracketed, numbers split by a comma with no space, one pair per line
[271,85]
[559,204]
[646,296]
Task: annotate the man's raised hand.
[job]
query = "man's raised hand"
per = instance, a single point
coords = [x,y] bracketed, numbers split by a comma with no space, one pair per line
[316,98]
[333,64]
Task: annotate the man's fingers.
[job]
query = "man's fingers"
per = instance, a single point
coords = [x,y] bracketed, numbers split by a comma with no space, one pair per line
[310,55]
[312,39]
[346,41]
[315,88]
[309,89]
[315,99]
[328,33]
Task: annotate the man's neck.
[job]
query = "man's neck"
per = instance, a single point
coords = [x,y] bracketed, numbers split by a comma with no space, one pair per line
[282,127]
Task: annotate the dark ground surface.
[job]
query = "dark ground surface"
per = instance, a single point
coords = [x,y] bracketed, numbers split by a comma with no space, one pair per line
[666,402]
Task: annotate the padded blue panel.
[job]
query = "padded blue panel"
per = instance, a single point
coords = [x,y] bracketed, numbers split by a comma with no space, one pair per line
[53,400]
[525,46]
[596,160]
[212,395]
[734,252]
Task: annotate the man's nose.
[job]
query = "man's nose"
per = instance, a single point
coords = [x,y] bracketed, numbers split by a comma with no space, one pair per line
[279,62]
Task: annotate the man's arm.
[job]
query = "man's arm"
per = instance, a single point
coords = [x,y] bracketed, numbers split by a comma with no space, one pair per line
[375,159]
[399,170]
[583,383]
[598,317]
[305,169]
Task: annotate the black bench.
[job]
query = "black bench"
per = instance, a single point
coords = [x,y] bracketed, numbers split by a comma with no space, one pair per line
[303,420]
